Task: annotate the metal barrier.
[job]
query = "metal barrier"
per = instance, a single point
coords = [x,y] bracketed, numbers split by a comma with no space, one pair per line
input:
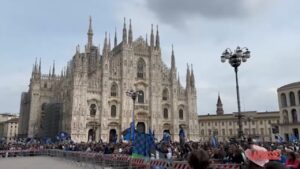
[180,165]
[159,163]
[137,163]
[116,161]
[225,166]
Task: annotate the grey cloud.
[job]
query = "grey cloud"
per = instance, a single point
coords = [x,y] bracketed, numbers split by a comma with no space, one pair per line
[175,11]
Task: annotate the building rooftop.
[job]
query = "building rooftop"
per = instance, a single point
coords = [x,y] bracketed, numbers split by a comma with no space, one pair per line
[14,120]
[288,86]
[232,115]
[7,114]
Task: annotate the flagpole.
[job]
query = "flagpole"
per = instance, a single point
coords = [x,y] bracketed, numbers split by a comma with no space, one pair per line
[133,122]
[133,95]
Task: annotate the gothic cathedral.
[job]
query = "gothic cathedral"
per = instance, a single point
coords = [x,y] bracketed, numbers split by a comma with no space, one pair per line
[88,99]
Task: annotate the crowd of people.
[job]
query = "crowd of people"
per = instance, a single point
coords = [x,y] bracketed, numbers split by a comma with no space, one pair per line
[198,154]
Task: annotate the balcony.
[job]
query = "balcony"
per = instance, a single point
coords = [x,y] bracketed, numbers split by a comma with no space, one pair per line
[143,107]
[92,118]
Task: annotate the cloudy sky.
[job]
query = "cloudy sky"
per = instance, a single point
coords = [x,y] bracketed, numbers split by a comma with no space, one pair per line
[199,29]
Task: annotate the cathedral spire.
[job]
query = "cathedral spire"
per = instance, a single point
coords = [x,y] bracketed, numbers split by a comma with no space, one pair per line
[172,59]
[65,71]
[53,68]
[35,66]
[157,42]
[178,80]
[188,76]
[146,39]
[220,110]
[32,73]
[115,40]
[130,33]
[152,37]
[90,33]
[61,73]
[124,32]
[109,48]
[50,72]
[104,50]
[40,65]
[78,49]
[192,78]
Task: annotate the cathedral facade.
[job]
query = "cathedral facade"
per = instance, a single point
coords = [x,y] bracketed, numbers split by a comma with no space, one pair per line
[89,97]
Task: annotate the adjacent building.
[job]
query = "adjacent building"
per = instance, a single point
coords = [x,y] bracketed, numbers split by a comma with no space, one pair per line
[6,116]
[10,130]
[289,107]
[8,127]
[225,126]
[91,92]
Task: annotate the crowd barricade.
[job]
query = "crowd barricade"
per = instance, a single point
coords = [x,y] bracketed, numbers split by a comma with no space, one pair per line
[116,161]
[159,163]
[225,166]
[137,163]
[180,165]
[122,160]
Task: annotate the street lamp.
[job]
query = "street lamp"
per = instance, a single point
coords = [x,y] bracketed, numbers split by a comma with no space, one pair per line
[133,94]
[235,59]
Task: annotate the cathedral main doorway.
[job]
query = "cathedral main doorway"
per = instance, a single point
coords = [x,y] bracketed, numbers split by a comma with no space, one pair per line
[141,127]
[91,135]
[167,131]
[296,133]
[113,136]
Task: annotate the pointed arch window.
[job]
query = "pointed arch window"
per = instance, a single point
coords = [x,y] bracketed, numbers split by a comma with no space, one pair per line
[43,107]
[113,111]
[165,94]
[283,100]
[292,99]
[141,67]
[114,90]
[141,98]
[43,112]
[93,110]
[166,113]
[180,114]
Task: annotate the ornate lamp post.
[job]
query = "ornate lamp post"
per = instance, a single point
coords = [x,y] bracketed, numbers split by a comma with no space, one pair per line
[133,94]
[235,59]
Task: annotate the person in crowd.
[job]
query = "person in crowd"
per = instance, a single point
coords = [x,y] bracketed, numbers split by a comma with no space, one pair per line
[292,162]
[198,159]
[274,165]
[283,156]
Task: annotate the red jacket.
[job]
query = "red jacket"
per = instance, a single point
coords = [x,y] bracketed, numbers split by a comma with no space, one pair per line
[292,164]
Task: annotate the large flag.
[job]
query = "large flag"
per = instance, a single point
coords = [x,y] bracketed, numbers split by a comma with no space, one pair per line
[151,139]
[181,133]
[127,134]
[214,141]
[278,138]
[293,138]
[166,137]
[62,136]
[132,130]
[181,136]
[142,144]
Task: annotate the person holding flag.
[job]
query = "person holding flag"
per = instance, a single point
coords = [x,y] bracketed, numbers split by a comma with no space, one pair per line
[181,136]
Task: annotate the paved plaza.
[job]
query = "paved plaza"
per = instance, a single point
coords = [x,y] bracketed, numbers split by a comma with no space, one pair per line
[41,162]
